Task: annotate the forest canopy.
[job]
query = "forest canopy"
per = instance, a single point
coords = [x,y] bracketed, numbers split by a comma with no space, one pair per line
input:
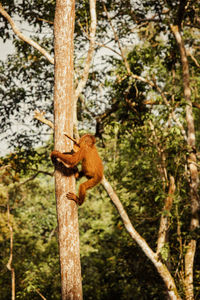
[136,88]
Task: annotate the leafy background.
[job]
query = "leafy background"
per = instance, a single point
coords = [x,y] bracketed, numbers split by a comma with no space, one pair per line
[114,107]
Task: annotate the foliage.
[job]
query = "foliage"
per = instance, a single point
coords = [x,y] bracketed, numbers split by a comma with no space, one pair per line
[139,139]
[106,249]
[34,223]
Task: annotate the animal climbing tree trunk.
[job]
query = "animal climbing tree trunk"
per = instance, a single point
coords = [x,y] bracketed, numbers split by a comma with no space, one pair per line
[63,122]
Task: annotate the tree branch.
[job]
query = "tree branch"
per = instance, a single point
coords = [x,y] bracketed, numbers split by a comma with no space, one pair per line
[123,55]
[191,161]
[88,61]
[34,176]
[152,83]
[191,139]
[109,48]
[162,166]
[40,117]
[23,37]
[85,73]
[38,292]
[161,268]
[188,52]
[154,102]
[164,222]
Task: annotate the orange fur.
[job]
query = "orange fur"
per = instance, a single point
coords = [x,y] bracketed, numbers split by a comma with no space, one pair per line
[92,166]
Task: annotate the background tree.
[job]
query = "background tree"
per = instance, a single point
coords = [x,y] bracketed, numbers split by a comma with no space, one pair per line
[135,100]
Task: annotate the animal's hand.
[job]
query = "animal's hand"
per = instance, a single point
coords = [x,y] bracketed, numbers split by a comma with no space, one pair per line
[54,155]
[72,196]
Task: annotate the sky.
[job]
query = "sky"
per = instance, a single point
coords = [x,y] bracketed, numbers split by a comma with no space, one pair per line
[5,49]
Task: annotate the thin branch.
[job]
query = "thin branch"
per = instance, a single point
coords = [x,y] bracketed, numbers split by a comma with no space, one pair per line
[29,179]
[179,238]
[109,48]
[5,167]
[192,25]
[85,73]
[188,52]
[88,61]
[38,292]
[161,268]
[162,166]
[123,55]
[40,117]
[23,37]
[42,172]
[52,233]
[154,102]
[96,43]
[170,108]
[46,21]
[152,83]
[34,176]
[164,222]
[117,40]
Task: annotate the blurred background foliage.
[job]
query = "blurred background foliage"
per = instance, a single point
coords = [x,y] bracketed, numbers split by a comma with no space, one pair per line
[133,127]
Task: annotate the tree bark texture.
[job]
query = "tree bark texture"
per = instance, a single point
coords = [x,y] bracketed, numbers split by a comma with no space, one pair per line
[63,122]
[164,221]
[10,261]
[194,177]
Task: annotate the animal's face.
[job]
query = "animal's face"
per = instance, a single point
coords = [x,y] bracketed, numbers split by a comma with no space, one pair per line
[87,140]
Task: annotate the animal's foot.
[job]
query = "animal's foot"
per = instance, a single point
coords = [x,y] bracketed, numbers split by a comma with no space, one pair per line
[72,196]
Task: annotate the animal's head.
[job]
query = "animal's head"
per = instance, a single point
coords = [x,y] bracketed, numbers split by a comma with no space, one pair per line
[87,140]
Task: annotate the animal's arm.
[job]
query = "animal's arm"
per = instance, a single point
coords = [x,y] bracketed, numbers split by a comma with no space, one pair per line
[70,159]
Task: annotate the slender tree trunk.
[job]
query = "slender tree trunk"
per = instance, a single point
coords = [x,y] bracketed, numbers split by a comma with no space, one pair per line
[194,177]
[9,264]
[164,221]
[63,122]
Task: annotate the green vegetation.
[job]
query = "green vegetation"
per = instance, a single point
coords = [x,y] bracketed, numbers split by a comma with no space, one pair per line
[139,118]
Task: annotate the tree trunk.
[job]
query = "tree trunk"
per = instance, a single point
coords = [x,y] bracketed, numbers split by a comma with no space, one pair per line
[194,177]
[10,261]
[164,221]
[63,122]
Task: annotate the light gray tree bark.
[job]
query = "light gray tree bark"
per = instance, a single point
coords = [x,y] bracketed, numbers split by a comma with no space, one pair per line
[192,165]
[63,122]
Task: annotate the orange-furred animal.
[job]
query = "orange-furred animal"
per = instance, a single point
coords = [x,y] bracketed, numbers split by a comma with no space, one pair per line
[92,166]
